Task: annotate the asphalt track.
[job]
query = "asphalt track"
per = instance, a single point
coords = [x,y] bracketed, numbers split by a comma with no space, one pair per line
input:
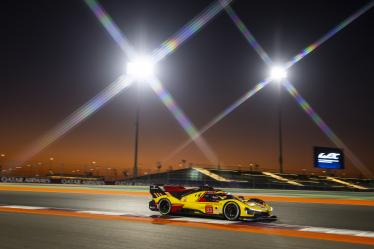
[22,228]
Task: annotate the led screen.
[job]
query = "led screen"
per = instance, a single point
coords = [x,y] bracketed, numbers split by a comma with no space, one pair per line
[328,158]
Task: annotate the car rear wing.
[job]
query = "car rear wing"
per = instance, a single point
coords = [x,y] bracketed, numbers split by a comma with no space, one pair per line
[156,191]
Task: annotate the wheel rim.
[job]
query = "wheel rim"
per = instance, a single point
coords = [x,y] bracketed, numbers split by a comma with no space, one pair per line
[231,211]
[164,207]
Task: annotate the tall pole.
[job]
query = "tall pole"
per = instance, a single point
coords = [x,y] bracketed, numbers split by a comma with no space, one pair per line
[2,156]
[280,138]
[135,172]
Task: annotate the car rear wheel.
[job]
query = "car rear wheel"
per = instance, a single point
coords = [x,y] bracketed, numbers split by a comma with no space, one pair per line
[164,206]
[231,211]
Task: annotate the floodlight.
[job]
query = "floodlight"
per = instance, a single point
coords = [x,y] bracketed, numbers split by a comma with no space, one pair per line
[141,68]
[278,73]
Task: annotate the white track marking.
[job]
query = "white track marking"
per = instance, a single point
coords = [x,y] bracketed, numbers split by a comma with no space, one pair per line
[322,230]
[103,213]
[24,207]
[339,231]
[201,220]
[280,225]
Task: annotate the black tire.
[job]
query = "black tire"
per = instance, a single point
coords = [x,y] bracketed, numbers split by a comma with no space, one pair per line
[231,211]
[164,206]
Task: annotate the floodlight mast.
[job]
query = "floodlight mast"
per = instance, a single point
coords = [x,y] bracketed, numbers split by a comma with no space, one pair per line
[280,130]
[137,118]
[278,74]
[141,70]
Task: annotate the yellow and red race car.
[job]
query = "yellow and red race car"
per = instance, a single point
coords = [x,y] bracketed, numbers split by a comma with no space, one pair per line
[208,201]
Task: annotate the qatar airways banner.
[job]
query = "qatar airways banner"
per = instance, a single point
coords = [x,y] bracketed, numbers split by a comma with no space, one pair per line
[24,180]
[328,158]
[18,179]
[81,181]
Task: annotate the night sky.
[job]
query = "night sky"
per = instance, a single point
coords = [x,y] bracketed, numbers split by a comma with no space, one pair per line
[58,56]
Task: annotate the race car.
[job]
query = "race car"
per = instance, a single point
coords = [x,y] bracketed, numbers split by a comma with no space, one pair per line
[207,201]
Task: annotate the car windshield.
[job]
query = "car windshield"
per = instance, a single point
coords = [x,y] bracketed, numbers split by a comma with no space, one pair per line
[212,197]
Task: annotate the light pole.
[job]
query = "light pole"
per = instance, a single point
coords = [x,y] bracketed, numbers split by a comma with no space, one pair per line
[278,74]
[280,137]
[2,156]
[37,172]
[94,167]
[51,159]
[109,173]
[62,169]
[141,70]
[137,116]
[29,169]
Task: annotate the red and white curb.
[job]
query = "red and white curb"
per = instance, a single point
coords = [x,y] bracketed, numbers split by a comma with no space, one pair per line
[337,231]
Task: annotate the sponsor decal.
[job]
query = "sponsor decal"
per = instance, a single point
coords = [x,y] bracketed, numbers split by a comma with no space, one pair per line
[36,180]
[93,182]
[24,180]
[70,181]
[11,179]
[209,209]
[80,181]
[121,183]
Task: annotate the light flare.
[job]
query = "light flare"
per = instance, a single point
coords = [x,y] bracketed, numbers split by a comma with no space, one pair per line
[329,34]
[76,117]
[219,117]
[248,35]
[170,45]
[97,102]
[110,27]
[253,42]
[182,119]
[325,128]
[166,48]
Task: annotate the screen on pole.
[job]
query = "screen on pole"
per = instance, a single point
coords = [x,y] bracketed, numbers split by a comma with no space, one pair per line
[328,158]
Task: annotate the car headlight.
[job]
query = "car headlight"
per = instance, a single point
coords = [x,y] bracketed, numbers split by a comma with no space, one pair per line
[251,211]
